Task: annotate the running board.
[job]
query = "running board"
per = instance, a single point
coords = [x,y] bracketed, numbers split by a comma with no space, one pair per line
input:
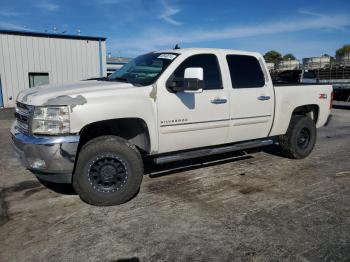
[212,151]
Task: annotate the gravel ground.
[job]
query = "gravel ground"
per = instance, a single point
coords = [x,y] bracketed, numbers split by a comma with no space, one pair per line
[256,206]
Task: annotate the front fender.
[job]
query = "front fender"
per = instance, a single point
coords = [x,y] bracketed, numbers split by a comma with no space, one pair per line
[126,105]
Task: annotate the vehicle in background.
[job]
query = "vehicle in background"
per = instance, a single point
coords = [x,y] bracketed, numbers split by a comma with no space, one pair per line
[114,66]
[165,106]
[339,78]
[296,77]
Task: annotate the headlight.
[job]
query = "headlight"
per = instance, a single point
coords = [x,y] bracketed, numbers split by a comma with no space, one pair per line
[51,120]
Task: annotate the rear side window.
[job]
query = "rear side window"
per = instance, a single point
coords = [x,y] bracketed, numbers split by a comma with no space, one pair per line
[211,70]
[245,71]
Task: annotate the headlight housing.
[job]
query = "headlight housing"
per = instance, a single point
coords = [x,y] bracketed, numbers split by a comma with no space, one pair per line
[51,120]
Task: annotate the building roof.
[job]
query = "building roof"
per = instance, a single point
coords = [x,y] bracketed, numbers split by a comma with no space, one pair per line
[50,35]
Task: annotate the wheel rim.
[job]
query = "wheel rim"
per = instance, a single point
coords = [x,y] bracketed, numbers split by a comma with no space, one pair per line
[303,139]
[107,173]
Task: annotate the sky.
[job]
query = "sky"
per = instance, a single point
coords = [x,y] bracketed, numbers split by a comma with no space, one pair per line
[132,27]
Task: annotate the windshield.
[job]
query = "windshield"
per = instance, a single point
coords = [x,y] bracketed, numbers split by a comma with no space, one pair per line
[143,70]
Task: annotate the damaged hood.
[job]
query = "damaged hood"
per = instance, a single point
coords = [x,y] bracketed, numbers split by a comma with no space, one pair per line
[68,94]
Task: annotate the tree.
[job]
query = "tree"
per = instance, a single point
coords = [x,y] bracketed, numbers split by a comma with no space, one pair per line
[289,57]
[343,51]
[273,57]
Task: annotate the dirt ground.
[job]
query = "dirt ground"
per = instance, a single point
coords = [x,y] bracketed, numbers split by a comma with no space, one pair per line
[256,206]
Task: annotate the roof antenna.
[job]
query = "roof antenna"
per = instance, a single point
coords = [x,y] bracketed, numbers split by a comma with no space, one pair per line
[177,46]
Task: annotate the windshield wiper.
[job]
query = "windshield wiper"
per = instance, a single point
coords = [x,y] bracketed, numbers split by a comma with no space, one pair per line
[119,79]
[97,78]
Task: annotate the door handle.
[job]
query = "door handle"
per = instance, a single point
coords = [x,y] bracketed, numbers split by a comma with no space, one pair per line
[218,101]
[264,98]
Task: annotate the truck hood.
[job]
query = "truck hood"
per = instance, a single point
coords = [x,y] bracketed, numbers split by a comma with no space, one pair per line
[68,94]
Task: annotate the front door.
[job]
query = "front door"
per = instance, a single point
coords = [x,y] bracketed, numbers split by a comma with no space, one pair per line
[252,98]
[191,120]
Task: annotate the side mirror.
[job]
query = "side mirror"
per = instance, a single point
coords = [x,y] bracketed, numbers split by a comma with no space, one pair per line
[192,82]
[194,72]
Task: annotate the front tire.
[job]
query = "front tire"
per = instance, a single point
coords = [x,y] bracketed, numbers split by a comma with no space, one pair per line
[300,138]
[109,171]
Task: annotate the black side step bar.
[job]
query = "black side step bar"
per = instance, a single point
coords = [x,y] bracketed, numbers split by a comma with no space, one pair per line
[212,151]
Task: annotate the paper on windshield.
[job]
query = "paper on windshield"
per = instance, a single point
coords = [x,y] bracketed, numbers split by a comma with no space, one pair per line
[167,56]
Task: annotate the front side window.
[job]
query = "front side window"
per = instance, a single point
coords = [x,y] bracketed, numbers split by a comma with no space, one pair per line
[211,70]
[245,71]
[143,70]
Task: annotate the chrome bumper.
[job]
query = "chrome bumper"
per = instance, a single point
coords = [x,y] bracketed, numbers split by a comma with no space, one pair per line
[49,157]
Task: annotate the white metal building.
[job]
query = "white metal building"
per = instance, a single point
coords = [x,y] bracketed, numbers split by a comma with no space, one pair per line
[316,62]
[29,59]
[288,65]
[270,66]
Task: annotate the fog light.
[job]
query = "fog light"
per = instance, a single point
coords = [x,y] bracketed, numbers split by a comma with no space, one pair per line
[36,163]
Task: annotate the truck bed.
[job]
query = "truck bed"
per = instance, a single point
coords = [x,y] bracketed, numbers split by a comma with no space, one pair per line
[291,96]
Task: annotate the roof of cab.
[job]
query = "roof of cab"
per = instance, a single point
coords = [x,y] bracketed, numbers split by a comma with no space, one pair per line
[49,35]
[209,50]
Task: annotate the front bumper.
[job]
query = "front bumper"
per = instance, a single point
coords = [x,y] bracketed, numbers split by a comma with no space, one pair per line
[50,158]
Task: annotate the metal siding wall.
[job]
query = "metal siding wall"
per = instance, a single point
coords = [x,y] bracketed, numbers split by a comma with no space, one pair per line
[20,73]
[90,59]
[2,70]
[13,68]
[104,58]
[95,59]
[65,60]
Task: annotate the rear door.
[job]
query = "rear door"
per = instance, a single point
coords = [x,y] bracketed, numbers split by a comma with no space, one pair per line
[190,120]
[251,98]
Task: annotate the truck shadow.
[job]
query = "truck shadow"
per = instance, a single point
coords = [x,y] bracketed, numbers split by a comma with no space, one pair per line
[155,171]
[64,189]
[346,107]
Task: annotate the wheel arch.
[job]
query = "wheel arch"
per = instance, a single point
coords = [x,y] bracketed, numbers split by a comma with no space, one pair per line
[311,110]
[132,129]
[284,113]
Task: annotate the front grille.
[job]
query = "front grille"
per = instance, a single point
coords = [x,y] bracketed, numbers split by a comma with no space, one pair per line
[23,115]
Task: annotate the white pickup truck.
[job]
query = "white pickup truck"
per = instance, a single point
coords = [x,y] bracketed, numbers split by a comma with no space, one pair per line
[168,105]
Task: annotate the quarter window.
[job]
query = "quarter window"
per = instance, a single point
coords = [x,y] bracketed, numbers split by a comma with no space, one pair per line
[245,71]
[211,70]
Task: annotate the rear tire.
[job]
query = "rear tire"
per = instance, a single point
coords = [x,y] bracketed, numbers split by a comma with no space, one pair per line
[109,171]
[300,138]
